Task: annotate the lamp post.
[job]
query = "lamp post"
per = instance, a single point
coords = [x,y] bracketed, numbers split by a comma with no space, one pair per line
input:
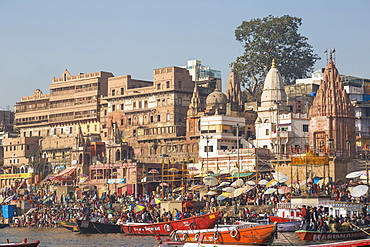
[237,148]
[207,148]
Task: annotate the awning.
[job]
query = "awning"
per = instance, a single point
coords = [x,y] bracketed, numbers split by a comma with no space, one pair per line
[243,174]
[64,174]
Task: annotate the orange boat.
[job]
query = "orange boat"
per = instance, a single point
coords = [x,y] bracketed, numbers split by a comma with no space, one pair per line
[232,235]
[204,221]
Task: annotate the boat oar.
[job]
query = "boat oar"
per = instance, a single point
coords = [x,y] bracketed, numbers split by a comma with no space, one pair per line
[360,229]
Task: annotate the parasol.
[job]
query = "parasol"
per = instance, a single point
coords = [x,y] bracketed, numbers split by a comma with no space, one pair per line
[280,177]
[223,196]
[270,191]
[237,183]
[359,190]
[228,189]
[272,182]
[211,193]
[163,184]
[210,181]
[196,187]
[139,208]
[284,190]
[354,174]
[153,171]
[224,184]
[250,183]
[237,192]
[263,182]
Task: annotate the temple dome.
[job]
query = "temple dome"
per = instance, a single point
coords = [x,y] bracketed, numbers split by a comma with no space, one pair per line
[216,97]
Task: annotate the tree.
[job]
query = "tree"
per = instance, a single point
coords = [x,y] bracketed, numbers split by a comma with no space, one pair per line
[267,39]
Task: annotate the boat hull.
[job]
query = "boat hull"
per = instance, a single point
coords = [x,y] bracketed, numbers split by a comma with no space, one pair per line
[165,228]
[86,226]
[319,236]
[233,235]
[30,244]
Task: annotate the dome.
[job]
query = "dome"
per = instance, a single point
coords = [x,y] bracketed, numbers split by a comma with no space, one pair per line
[216,97]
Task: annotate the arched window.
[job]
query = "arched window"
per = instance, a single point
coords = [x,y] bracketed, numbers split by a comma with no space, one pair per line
[118,155]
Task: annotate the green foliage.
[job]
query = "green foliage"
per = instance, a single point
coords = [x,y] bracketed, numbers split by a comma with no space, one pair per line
[267,39]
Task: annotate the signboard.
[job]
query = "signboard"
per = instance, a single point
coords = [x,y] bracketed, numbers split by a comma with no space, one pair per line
[16,175]
[116,181]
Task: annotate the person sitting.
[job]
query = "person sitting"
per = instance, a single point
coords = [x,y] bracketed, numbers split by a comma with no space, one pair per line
[346,226]
[335,227]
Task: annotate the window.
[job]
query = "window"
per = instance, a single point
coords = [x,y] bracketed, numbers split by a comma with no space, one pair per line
[122,122]
[305,128]
[122,107]
[129,122]
[113,92]
[61,130]
[167,84]
[151,119]
[134,105]
[31,133]
[55,131]
[158,86]
[95,127]
[105,112]
[208,149]
[28,147]
[267,132]
[180,101]
[70,130]
[122,91]
[168,117]
[223,147]
[163,102]
[158,118]
[180,84]
[113,107]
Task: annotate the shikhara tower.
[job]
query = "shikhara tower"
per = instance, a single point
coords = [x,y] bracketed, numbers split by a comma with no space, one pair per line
[332,117]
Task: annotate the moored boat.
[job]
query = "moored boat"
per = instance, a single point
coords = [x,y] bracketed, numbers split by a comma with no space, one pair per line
[362,242]
[323,236]
[231,235]
[204,221]
[4,225]
[24,243]
[87,226]
[72,226]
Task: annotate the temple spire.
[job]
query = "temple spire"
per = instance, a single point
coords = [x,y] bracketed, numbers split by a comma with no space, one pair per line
[233,91]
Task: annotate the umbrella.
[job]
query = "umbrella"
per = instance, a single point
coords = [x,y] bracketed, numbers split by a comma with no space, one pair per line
[237,192]
[270,191]
[163,184]
[284,190]
[359,190]
[238,183]
[228,189]
[211,193]
[272,182]
[354,174]
[196,187]
[153,171]
[280,177]
[250,183]
[210,181]
[178,189]
[173,170]
[139,208]
[192,169]
[223,196]
[224,184]
[31,210]
[263,182]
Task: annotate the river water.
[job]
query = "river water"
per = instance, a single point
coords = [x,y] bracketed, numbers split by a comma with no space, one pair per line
[52,237]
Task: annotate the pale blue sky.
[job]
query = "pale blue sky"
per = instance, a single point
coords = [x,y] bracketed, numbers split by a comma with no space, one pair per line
[39,39]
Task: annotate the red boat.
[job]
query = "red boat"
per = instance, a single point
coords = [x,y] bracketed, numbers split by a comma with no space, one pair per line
[229,235]
[363,242]
[323,236]
[204,221]
[23,244]
[280,219]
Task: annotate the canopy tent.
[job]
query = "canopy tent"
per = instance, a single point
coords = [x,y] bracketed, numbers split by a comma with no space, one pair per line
[63,175]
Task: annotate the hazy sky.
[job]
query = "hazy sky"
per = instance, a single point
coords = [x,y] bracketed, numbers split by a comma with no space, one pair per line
[39,39]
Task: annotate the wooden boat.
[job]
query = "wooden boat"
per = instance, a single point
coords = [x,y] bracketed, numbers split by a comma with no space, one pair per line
[282,226]
[87,226]
[204,221]
[4,225]
[24,243]
[231,235]
[280,219]
[362,242]
[72,226]
[323,236]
